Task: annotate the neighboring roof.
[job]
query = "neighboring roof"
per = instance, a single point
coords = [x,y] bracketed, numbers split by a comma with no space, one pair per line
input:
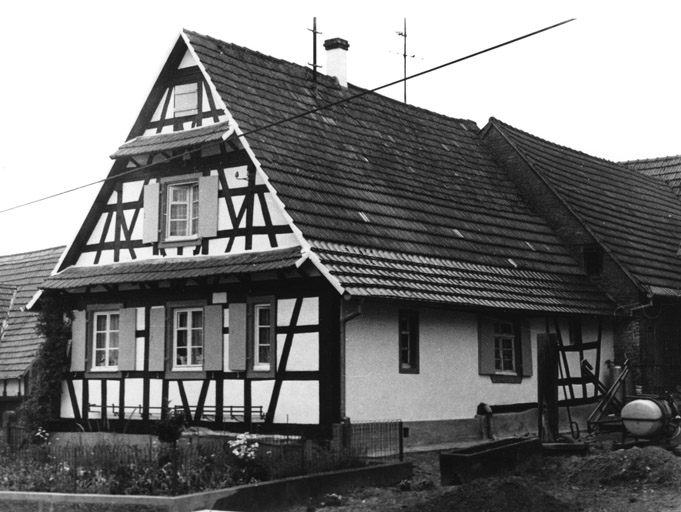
[666,168]
[174,268]
[374,174]
[172,141]
[20,277]
[635,217]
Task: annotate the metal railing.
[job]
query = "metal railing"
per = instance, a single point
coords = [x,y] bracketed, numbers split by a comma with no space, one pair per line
[383,440]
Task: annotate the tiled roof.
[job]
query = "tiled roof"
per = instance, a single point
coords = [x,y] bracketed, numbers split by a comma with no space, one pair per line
[21,275]
[637,218]
[173,268]
[375,273]
[376,174]
[170,141]
[666,168]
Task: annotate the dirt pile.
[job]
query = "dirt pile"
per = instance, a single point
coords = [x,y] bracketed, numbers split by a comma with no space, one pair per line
[650,465]
[515,493]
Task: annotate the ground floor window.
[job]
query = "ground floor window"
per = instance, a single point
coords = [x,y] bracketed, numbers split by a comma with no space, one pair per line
[188,338]
[106,339]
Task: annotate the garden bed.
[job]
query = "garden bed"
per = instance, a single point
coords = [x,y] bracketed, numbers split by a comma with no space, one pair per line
[272,495]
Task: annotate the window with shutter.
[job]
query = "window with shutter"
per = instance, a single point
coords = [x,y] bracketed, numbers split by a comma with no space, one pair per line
[181,210]
[505,349]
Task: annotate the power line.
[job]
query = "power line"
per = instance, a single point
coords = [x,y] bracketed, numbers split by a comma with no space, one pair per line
[307,112]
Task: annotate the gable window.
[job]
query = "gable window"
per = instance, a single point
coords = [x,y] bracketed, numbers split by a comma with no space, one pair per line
[182,211]
[409,341]
[505,353]
[106,338]
[186,99]
[188,338]
[504,349]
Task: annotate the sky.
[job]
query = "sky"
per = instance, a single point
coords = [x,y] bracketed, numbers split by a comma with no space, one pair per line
[76,73]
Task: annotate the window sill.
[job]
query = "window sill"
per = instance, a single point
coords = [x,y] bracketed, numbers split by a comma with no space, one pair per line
[189,374]
[186,242]
[409,370]
[107,373]
[506,379]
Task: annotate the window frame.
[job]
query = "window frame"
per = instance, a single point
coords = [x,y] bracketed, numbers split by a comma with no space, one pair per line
[165,185]
[108,313]
[189,310]
[499,350]
[193,210]
[408,337]
[257,368]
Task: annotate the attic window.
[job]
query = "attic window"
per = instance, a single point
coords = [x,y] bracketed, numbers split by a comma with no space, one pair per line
[186,99]
[592,260]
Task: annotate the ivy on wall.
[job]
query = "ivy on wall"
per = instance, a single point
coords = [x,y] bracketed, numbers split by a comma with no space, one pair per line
[52,361]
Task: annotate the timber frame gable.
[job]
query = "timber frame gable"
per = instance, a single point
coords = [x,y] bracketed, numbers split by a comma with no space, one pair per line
[202,145]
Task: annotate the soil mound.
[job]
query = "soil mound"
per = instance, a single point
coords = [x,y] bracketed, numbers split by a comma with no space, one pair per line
[498,495]
[650,465]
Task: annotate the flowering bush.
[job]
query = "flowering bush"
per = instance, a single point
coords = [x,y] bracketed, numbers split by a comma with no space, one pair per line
[248,469]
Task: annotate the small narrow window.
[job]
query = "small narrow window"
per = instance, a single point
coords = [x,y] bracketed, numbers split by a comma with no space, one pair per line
[186,99]
[106,337]
[182,211]
[409,341]
[188,338]
[262,337]
[505,356]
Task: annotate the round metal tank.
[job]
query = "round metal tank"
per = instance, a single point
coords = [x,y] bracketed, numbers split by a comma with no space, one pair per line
[645,417]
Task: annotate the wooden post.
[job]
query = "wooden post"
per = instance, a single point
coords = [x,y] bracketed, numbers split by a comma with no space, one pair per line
[547,384]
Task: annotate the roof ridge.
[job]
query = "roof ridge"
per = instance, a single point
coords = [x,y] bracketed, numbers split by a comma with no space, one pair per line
[331,80]
[650,160]
[35,252]
[614,165]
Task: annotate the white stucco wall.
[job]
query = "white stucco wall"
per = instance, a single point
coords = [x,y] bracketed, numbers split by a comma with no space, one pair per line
[448,385]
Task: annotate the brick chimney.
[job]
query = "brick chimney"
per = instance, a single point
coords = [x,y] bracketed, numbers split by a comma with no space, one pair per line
[336,59]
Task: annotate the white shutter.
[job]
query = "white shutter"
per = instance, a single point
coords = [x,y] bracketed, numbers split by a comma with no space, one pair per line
[208,206]
[78,341]
[212,338]
[126,339]
[152,193]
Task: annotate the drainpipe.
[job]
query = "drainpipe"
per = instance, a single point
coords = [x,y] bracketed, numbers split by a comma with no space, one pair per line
[346,314]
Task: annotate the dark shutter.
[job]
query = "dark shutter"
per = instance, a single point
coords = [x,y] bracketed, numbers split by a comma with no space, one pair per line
[485,346]
[526,348]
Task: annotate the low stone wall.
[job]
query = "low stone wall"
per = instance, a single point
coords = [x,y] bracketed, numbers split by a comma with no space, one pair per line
[264,496]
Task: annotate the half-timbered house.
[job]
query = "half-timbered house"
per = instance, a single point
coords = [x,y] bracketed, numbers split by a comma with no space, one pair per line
[20,277]
[276,246]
